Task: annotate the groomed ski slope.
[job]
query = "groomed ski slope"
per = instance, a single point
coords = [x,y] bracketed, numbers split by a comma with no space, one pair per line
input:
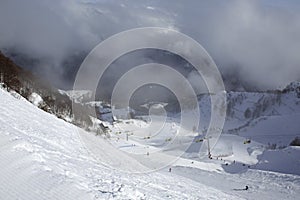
[43,157]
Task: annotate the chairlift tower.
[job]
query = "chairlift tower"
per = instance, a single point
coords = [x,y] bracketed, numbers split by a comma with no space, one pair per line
[208,147]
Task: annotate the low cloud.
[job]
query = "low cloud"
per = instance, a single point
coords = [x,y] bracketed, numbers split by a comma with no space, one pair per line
[254,42]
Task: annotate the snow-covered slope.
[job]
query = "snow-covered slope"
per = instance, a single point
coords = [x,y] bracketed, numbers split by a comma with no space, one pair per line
[42,157]
[268,117]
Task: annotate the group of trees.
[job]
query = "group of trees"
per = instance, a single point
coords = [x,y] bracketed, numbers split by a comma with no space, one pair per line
[295,142]
[13,77]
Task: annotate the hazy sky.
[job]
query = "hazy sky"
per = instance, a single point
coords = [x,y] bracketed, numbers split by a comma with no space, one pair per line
[256,41]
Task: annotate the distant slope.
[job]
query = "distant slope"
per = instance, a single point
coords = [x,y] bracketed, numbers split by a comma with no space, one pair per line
[254,114]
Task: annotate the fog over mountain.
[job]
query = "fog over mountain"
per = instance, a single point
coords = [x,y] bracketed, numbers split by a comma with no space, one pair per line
[255,44]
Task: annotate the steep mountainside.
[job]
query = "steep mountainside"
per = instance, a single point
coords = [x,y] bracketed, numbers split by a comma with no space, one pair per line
[32,88]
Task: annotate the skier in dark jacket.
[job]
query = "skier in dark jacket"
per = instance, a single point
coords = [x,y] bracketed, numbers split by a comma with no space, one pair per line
[246,188]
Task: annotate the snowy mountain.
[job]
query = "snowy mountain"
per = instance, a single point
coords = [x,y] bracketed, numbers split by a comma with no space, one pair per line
[43,157]
[60,143]
[52,156]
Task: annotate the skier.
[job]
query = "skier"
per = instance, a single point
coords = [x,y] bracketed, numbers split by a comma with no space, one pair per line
[246,188]
[170,169]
